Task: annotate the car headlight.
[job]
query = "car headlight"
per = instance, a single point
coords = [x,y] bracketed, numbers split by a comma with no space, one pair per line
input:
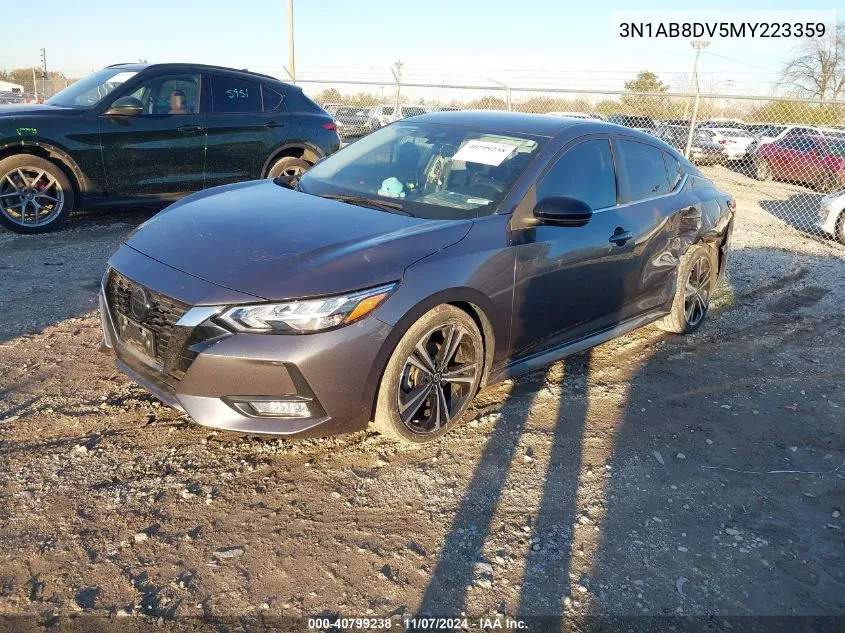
[305,315]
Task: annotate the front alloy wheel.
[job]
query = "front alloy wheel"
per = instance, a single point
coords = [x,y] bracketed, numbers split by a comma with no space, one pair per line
[437,378]
[35,195]
[431,377]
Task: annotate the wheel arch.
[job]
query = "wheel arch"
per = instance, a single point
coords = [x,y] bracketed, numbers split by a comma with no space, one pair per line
[306,151]
[470,301]
[78,180]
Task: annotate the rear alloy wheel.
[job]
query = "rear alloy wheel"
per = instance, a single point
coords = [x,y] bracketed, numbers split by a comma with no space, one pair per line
[762,169]
[431,377]
[289,167]
[696,281]
[827,182]
[36,196]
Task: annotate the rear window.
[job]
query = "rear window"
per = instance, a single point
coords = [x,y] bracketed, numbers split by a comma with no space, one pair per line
[272,99]
[646,170]
[234,95]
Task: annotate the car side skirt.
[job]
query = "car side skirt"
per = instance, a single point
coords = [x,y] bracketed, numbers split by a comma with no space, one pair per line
[543,359]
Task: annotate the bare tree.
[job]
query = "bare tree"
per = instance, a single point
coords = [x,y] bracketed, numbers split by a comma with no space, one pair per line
[819,69]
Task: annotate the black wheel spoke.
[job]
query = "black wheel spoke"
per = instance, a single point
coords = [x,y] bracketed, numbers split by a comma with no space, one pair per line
[414,402]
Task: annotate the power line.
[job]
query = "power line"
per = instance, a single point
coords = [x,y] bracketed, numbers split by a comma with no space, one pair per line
[739,61]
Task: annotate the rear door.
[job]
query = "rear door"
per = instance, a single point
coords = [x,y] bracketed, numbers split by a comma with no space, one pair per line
[247,122]
[161,151]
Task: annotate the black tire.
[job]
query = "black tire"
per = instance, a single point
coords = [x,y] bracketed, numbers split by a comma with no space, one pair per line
[40,182]
[827,182]
[839,229]
[680,320]
[289,166]
[762,169]
[433,404]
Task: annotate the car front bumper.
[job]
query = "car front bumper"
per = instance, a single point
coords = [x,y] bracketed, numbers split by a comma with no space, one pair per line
[829,213]
[213,374]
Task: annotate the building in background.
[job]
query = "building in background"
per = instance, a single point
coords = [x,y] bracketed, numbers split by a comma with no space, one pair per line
[6,86]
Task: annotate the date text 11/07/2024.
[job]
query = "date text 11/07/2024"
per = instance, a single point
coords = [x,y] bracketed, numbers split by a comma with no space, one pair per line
[417,623]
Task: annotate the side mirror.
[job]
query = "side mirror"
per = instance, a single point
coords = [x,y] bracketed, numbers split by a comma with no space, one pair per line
[126,106]
[563,211]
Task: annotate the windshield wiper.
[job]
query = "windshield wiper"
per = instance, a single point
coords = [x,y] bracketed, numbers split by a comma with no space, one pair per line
[384,205]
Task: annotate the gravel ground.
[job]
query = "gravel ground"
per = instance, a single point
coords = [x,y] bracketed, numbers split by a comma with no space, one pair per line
[654,475]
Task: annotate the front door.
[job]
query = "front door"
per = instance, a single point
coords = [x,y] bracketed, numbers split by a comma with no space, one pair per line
[160,152]
[568,280]
[247,123]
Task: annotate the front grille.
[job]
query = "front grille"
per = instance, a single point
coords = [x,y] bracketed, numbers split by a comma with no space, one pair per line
[169,340]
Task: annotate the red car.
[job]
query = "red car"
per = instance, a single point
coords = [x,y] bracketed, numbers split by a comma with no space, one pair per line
[815,160]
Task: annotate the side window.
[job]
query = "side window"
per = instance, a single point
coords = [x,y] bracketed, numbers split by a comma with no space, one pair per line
[231,95]
[585,172]
[272,99]
[673,168]
[645,168]
[804,144]
[170,94]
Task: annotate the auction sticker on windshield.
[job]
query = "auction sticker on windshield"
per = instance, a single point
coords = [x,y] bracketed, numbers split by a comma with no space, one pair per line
[484,152]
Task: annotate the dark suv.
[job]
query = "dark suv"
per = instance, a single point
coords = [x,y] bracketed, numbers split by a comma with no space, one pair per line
[151,133]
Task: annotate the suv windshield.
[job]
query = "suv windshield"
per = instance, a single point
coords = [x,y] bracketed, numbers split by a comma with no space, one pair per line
[431,170]
[91,89]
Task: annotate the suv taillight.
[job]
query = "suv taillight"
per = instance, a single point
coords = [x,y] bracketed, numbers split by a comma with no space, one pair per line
[330,125]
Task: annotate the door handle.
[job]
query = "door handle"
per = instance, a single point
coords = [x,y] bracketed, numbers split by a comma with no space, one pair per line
[190,128]
[272,124]
[620,236]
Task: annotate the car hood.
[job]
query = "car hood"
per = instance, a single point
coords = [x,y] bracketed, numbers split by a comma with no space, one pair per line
[22,110]
[271,242]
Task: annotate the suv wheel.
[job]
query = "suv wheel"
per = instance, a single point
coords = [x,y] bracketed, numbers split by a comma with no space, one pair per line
[289,166]
[696,281]
[431,377]
[36,195]
[762,169]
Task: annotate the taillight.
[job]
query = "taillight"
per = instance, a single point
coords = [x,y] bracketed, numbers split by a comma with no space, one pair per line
[732,204]
[724,141]
[330,125]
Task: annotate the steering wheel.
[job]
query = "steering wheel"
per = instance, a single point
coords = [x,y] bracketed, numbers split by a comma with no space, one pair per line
[487,183]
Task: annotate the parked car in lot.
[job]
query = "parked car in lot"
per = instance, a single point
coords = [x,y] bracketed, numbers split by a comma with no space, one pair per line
[773,133]
[815,160]
[150,133]
[644,123]
[381,115]
[352,122]
[734,140]
[703,150]
[400,274]
[832,215]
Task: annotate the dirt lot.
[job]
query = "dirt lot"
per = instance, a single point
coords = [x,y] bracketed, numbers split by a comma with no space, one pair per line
[655,475]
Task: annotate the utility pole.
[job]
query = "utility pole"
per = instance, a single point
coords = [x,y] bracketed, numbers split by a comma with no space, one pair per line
[698,45]
[397,75]
[291,69]
[44,71]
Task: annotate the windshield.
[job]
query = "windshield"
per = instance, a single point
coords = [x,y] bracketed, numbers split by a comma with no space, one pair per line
[837,148]
[432,170]
[91,89]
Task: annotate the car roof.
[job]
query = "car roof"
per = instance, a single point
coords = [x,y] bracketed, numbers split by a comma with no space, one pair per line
[139,66]
[501,122]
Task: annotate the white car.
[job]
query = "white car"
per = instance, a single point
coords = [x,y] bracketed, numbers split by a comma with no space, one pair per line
[734,140]
[382,114]
[832,215]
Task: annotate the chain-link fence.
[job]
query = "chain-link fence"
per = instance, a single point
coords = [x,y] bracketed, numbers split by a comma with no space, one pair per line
[791,152]
[32,90]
